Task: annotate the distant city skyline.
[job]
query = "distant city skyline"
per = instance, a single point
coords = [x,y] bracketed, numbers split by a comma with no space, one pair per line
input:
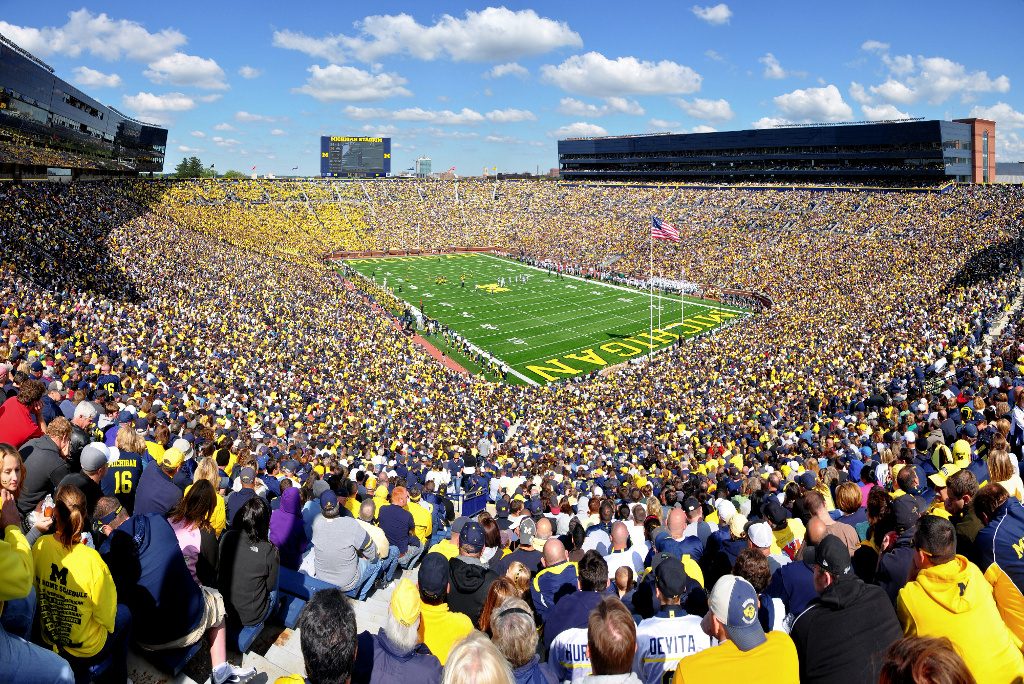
[474,86]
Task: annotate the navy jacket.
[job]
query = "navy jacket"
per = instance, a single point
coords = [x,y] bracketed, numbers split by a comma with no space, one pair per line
[152,580]
[535,672]
[156,493]
[573,611]
[377,660]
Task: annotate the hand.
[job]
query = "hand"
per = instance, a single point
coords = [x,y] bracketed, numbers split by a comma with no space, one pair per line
[42,523]
[8,510]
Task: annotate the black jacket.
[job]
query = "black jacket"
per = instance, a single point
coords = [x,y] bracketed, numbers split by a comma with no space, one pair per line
[894,565]
[470,584]
[842,636]
[44,469]
[79,438]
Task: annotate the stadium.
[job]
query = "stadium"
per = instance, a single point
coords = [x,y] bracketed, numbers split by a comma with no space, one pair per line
[693,409]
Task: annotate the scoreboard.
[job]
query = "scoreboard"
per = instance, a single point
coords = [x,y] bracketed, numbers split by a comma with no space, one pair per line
[358,157]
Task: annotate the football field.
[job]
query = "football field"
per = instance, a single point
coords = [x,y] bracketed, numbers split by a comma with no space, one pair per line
[542,326]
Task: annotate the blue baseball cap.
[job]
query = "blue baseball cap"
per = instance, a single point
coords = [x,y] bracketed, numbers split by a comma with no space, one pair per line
[472,535]
[733,602]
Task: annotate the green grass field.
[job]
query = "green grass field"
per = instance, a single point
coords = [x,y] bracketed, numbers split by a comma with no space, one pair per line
[546,328]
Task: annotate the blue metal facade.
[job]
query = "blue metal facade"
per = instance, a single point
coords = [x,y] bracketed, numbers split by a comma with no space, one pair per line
[915,151]
[37,106]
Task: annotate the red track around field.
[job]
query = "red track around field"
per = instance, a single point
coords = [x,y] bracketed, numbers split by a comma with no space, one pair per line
[433,351]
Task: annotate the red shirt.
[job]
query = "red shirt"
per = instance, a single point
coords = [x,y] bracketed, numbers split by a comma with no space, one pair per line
[17,425]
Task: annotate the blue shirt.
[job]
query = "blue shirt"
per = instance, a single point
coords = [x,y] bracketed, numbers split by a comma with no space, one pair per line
[397,524]
[156,493]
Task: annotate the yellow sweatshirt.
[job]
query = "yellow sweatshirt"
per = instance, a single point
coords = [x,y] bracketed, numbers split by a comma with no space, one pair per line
[954,600]
[15,565]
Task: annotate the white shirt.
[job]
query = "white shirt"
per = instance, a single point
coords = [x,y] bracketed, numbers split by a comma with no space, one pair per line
[629,557]
[661,642]
[568,655]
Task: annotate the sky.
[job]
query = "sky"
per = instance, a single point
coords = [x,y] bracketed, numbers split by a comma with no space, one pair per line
[496,85]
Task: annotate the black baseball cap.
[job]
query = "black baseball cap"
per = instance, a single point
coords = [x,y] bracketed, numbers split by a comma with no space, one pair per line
[434,575]
[671,578]
[832,556]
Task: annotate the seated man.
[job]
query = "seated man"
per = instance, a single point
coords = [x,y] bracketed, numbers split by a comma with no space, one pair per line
[169,609]
[343,553]
[396,653]
[328,639]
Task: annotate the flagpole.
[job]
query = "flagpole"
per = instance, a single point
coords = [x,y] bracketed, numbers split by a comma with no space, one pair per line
[682,301]
[650,284]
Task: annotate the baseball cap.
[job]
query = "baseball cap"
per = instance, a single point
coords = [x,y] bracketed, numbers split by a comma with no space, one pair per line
[247,475]
[671,578]
[94,456]
[945,472]
[459,523]
[832,555]
[501,508]
[433,577]
[405,602]
[55,386]
[172,458]
[774,512]
[185,447]
[527,531]
[125,417]
[36,366]
[734,602]
[328,501]
[472,535]
[726,510]
[760,535]
[907,511]
[737,525]
[691,504]
[961,453]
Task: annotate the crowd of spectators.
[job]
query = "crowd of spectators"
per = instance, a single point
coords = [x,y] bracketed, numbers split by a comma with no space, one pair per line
[825,492]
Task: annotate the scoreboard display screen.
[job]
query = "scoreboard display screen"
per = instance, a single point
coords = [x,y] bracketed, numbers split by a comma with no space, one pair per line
[359,157]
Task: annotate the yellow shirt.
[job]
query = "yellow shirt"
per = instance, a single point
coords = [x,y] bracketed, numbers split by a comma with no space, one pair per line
[16,570]
[773,662]
[77,596]
[219,519]
[440,629]
[445,548]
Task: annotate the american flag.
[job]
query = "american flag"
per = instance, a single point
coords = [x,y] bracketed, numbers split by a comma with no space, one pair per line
[663,230]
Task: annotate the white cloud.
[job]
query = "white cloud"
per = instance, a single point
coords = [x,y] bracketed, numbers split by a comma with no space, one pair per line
[224,142]
[189,150]
[198,134]
[703,129]
[187,70]
[209,97]
[710,110]
[378,130]
[248,117]
[663,125]
[492,34]
[223,127]
[365,113]
[510,115]
[157,108]
[770,122]
[334,82]
[508,69]
[90,78]
[249,72]
[96,34]
[874,46]
[613,105]
[883,112]
[716,15]
[714,56]
[503,139]
[580,129]
[278,132]
[930,79]
[444,117]
[621,105]
[894,91]
[812,105]
[1005,116]
[772,68]
[1010,146]
[596,75]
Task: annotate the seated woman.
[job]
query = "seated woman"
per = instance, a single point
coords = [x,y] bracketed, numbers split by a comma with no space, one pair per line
[78,611]
[190,520]
[249,566]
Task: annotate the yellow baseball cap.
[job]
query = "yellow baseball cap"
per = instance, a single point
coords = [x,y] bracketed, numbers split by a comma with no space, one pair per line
[172,458]
[947,471]
[405,602]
